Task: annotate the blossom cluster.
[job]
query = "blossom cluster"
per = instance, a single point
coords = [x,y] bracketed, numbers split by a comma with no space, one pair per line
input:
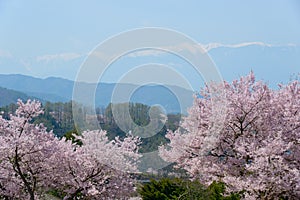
[34,161]
[252,146]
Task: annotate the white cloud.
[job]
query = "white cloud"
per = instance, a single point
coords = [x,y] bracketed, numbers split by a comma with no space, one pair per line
[101,55]
[152,52]
[191,48]
[155,52]
[145,53]
[62,56]
[5,54]
[211,46]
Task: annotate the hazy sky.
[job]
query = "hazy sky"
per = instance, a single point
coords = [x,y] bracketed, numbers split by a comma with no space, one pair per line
[51,38]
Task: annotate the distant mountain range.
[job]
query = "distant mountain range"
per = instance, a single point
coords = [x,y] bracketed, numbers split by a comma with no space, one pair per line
[8,96]
[173,99]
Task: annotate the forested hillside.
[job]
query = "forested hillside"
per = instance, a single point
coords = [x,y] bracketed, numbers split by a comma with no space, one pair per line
[8,96]
[59,118]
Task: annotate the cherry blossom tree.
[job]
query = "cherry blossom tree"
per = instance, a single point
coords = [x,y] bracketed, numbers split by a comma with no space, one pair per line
[256,149]
[26,154]
[100,168]
[33,161]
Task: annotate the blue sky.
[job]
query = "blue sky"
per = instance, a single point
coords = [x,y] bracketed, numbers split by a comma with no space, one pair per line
[52,38]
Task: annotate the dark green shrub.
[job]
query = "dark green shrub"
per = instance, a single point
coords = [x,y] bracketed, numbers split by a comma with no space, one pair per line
[176,188]
[161,190]
[216,191]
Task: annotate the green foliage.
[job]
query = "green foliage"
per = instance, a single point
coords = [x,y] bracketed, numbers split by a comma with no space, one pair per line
[216,191]
[140,116]
[60,115]
[161,190]
[59,118]
[176,188]
[56,193]
[173,121]
[70,135]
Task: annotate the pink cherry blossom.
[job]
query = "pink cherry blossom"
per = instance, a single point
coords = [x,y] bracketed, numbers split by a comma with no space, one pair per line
[256,149]
[33,161]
